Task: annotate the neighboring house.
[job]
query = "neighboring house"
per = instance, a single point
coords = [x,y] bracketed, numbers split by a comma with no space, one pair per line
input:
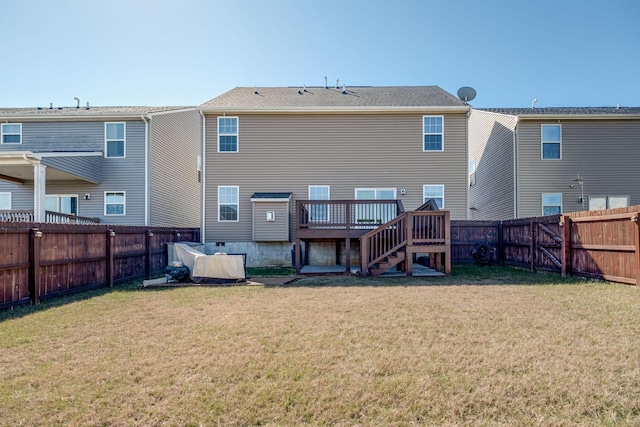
[526,162]
[121,165]
[266,148]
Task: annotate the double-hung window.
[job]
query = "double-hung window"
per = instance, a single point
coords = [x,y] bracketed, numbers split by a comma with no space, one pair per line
[435,192]
[114,202]
[11,133]
[433,133]
[228,204]
[551,142]
[227,134]
[5,201]
[114,140]
[551,204]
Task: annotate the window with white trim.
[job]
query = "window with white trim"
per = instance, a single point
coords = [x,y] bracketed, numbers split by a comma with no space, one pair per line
[598,203]
[551,204]
[114,203]
[375,213]
[115,140]
[551,140]
[435,192]
[5,201]
[11,133]
[319,213]
[63,203]
[433,133]
[227,134]
[228,203]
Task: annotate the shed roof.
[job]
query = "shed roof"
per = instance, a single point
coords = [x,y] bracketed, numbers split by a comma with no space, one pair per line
[271,196]
[359,97]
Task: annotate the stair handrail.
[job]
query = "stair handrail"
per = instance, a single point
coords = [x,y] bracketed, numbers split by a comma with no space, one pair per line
[389,246]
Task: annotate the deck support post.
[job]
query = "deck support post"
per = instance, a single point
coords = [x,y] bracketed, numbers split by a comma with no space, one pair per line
[298,261]
[347,254]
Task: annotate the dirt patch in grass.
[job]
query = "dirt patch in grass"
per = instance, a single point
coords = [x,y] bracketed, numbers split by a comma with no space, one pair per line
[324,351]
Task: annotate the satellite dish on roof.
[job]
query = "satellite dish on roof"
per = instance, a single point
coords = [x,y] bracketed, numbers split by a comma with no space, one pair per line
[466,93]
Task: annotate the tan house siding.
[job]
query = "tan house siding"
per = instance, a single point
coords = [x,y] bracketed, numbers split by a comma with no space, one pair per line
[271,231]
[604,152]
[491,147]
[175,193]
[287,153]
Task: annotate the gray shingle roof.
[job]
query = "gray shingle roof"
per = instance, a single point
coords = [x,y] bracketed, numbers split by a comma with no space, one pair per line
[46,112]
[565,111]
[285,196]
[319,97]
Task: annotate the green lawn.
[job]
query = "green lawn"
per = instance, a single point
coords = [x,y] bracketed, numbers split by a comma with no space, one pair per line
[486,346]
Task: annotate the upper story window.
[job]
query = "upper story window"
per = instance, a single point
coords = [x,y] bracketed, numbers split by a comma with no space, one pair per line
[551,142]
[5,201]
[227,134]
[433,133]
[435,192]
[114,140]
[551,204]
[228,203]
[11,133]
[114,203]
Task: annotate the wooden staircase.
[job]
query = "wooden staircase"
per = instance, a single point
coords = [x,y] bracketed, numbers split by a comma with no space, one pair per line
[402,237]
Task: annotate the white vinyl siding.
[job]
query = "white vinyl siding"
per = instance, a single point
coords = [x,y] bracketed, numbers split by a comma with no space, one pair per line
[11,133]
[435,192]
[227,134]
[228,204]
[551,142]
[5,201]
[551,203]
[115,203]
[433,133]
[115,140]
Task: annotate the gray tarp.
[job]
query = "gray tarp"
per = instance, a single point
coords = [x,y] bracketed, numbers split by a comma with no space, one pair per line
[218,266]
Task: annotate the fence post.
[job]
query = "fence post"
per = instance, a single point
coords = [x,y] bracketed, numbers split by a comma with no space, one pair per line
[534,246]
[637,242]
[35,244]
[147,255]
[500,244]
[110,236]
[565,227]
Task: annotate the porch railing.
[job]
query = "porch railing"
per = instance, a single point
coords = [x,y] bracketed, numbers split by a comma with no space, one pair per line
[345,214]
[50,217]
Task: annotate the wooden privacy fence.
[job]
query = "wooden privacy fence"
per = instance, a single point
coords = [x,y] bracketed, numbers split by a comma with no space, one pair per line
[40,260]
[597,244]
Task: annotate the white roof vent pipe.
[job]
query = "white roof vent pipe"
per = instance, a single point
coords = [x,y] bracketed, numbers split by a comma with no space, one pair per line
[87,105]
[344,88]
[337,83]
[326,84]
[77,100]
[533,103]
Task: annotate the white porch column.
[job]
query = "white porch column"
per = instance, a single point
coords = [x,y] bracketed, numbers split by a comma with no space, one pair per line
[39,191]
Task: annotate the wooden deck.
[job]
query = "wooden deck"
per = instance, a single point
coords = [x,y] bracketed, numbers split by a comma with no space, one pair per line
[50,217]
[386,235]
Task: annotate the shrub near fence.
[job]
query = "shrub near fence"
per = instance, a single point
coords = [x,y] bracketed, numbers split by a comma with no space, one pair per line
[40,260]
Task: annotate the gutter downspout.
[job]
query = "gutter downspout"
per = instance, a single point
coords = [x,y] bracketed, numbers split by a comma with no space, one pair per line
[516,196]
[39,189]
[466,186]
[146,170]
[203,186]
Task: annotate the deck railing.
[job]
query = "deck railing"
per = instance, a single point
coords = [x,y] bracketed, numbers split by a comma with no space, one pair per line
[345,214]
[50,217]
[418,231]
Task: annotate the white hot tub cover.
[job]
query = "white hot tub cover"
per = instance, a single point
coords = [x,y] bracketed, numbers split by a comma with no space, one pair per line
[218,266]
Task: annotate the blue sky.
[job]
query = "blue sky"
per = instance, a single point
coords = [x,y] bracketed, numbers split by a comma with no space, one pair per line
[185,52]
